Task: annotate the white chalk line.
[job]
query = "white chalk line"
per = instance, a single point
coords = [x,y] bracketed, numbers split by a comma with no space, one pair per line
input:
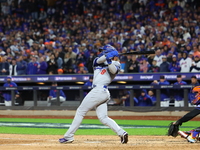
[28,144]
[15,144]
[28,139]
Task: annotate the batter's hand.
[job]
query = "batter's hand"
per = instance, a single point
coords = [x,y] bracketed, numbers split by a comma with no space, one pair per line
[112,54]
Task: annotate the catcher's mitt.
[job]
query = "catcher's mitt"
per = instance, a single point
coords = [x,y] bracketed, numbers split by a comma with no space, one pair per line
[173,129]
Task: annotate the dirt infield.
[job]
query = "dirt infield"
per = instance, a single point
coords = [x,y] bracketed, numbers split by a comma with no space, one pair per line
[50,142]
[94,142]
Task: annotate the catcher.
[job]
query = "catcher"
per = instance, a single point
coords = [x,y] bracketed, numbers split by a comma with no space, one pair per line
[194,135]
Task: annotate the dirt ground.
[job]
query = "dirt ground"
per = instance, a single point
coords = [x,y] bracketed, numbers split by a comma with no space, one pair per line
[50,142]
[94,142]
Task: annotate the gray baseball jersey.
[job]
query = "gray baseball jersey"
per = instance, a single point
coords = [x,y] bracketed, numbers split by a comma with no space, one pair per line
[97,97]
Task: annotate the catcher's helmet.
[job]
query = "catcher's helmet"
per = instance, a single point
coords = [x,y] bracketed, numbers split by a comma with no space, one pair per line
[106,49]
[196,95]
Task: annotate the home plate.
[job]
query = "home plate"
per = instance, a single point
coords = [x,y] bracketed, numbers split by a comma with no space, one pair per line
[92,142]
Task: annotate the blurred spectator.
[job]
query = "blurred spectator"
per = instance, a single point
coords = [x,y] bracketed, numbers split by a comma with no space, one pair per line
[191,55]
[144,99]
[164,66]
[13,68]
[72,54]
[7,94]
[60,71]
[174,66]
[59,60]
[132,64]
[164,93]
[21,66]
[2,52]
[4,66]
[170,56]
[185,63]
[196,51]
[82,69]
[67,63]
[89,62]
[52,98]
[42,66]
[144,66]
[195,64]
[127,6]
[70,70]
[42,27]
[32,66]
[158,57]
[42,15]
[154,67]
[52,64]
[179,93]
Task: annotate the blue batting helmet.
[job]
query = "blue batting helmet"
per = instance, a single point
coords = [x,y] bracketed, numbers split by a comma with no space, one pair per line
[106,49]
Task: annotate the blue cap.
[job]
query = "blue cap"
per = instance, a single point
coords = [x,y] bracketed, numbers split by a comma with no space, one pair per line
[8,77]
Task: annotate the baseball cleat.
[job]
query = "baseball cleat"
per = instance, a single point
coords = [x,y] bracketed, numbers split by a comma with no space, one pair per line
[191,139]
[124,138]
[65,141]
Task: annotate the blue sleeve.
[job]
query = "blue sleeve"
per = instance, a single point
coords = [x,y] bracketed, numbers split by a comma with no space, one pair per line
[62,94]
[135,100]
[176,83]
[43,66]
[51,93]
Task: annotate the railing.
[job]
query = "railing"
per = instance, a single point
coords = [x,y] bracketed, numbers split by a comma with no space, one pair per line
[84,77]
[81,89]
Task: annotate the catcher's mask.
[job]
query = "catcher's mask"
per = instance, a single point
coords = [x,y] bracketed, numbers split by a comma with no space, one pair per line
[195,96]
[106,49]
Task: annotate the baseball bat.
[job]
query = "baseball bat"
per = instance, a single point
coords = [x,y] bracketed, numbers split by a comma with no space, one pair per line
[138,53]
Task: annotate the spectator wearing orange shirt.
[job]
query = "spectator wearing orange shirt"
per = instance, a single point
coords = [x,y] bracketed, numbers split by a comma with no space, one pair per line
[196,51]
[166,42]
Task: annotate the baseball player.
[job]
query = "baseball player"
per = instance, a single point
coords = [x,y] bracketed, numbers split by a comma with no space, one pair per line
[193,135]
[53,96]
[178,93]
[7,94]
[105,68]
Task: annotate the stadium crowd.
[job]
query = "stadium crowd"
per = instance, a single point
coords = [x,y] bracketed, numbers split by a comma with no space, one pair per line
[63,36]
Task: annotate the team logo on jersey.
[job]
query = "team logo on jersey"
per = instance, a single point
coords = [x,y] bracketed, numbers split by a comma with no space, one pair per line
[103,71]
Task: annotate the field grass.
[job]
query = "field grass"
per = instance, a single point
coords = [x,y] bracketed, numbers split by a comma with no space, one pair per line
[154,127]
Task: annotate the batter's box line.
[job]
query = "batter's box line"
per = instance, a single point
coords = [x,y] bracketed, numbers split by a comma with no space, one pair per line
[28,139]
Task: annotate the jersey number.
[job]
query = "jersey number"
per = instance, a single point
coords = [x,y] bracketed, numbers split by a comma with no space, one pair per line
[103,71]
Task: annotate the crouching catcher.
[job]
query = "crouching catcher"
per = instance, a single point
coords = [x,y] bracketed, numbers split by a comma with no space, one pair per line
[194,135]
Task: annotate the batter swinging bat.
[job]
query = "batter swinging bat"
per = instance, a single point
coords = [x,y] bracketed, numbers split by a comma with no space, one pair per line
[138,53]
